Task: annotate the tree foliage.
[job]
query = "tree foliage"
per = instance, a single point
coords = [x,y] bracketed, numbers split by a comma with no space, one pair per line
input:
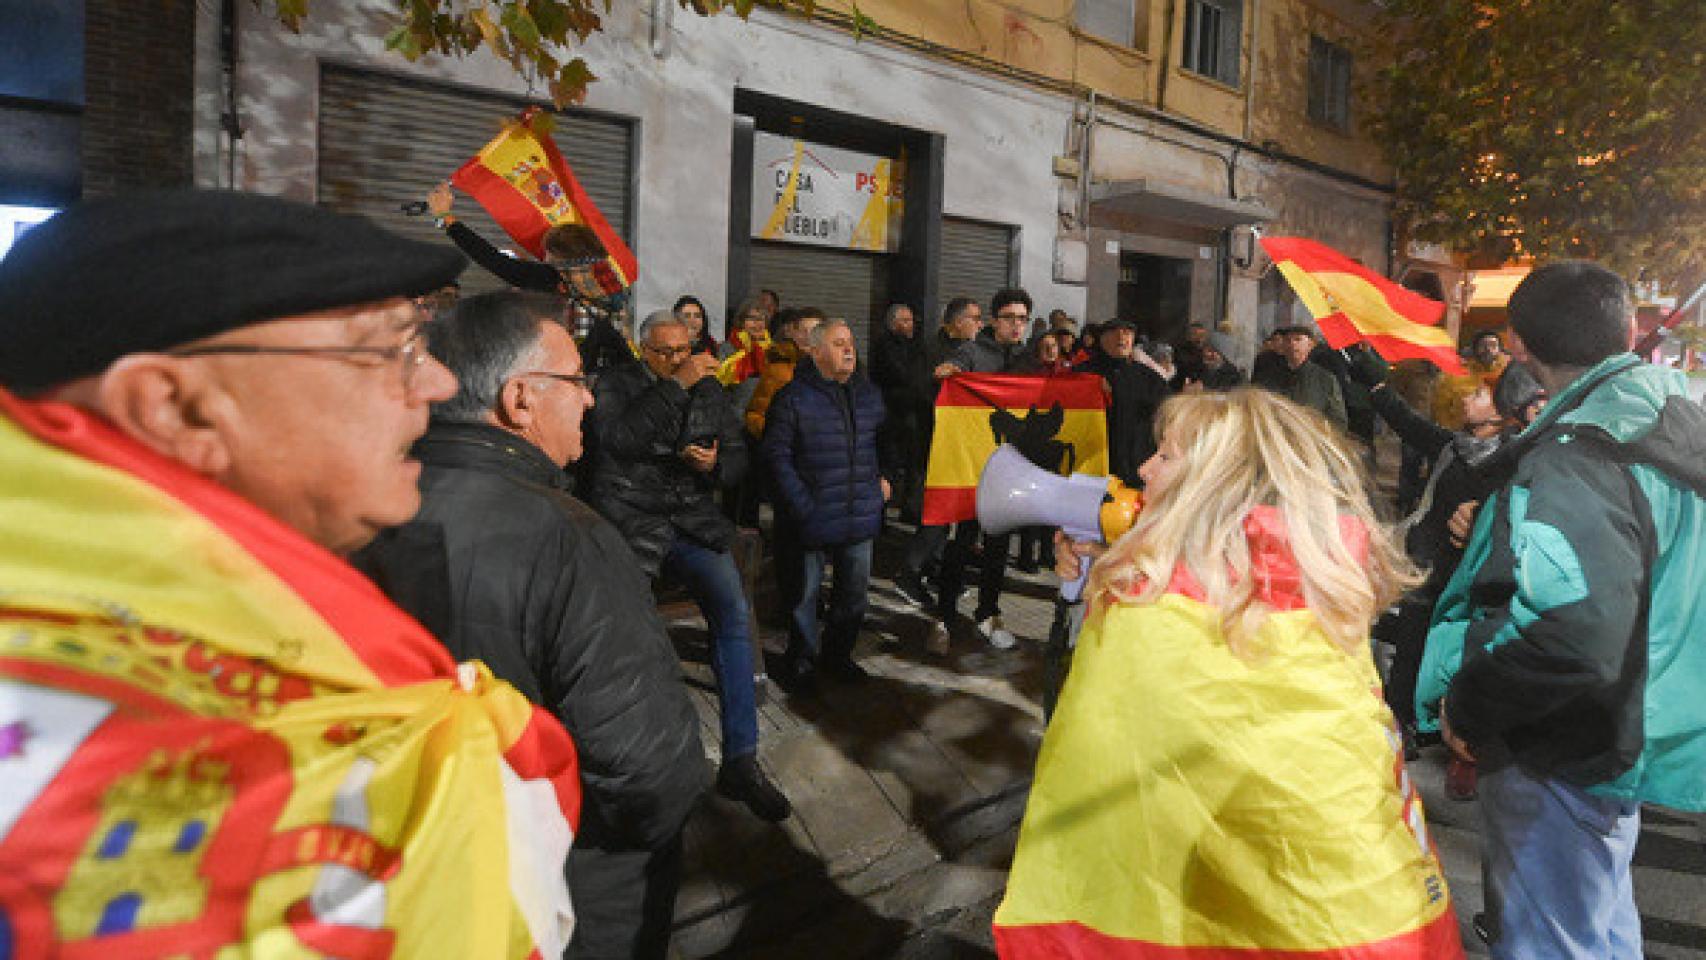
[1547,128]
[533,36]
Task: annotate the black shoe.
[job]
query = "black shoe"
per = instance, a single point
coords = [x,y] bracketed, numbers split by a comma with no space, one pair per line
[742,779]
[1411,750]
[913,591]
[798,677]
[845,670]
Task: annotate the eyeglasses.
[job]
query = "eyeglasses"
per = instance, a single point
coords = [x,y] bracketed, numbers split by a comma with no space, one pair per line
[1013,316]
[588,381]
[411,354]
[681,351]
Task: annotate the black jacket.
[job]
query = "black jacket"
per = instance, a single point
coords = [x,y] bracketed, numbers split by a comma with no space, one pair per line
[508,568]
[901,369]
[820,440]
[1135,393]
[641,423]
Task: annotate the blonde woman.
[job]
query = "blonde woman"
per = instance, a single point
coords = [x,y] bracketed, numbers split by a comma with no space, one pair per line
[1221,775]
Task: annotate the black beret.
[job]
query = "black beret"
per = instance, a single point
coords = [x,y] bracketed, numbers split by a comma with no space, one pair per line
[1117,323]
[151,271]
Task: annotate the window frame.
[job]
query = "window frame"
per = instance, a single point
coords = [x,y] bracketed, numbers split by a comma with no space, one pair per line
[1331,66]
[1222,59]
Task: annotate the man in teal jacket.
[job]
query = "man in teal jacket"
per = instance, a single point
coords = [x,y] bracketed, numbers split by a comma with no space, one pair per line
[1568,653]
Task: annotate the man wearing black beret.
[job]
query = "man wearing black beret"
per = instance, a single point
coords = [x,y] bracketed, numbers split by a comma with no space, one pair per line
[206,399]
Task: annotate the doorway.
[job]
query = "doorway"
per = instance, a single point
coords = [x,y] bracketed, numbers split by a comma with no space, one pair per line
[1155,294]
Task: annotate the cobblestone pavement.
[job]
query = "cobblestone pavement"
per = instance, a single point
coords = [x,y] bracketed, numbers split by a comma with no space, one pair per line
[908,789]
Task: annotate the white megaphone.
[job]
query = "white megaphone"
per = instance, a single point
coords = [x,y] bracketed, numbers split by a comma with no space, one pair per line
[1013,492]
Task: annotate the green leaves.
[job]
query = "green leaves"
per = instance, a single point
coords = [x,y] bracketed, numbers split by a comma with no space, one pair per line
[1542,128]
[533,36]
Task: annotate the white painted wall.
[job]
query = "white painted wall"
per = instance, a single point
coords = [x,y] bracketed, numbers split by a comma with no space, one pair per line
[1000,138]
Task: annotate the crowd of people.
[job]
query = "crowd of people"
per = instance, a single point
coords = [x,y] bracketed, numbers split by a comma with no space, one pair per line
[1536,590]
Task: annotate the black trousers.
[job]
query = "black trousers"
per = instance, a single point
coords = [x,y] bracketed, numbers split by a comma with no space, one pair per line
[1407,631]
[624,901]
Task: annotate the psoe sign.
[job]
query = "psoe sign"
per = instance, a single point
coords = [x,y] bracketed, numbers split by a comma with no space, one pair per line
[808,193]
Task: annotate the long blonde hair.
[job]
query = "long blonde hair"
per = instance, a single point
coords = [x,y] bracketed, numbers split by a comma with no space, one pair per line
[1243,449]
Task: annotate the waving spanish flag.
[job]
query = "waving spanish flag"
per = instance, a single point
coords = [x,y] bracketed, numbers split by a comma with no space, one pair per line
[1059,423]
[524,183]
[1352,303]
[1193,804]
[218,738]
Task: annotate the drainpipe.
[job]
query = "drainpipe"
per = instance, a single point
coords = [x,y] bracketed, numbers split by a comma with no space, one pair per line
[1084,178]
[229,121]
[1166,57]
[1250,85]
[663,16]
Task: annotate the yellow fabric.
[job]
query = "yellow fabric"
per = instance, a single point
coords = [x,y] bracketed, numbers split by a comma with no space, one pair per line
[229,703]
[1186,797]
[962,443]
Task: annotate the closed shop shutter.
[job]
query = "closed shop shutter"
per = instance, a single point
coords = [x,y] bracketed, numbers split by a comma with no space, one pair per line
[843,283]
[386,140]
[977,260]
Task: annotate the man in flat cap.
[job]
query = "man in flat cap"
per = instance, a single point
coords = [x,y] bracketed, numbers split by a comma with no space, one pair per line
[213,731]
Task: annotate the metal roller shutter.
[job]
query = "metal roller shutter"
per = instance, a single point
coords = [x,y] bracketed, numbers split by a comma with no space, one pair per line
[843,283]
[387,140]
[977,260]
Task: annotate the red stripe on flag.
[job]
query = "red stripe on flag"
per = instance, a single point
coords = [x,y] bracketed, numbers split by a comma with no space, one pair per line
[1073,391]
[531,756]
[1437,940]
[396,648]
[513,211]
[620,255]
[1339,332]
[948,505]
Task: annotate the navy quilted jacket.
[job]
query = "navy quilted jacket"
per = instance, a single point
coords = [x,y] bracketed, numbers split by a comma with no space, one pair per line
[820,440]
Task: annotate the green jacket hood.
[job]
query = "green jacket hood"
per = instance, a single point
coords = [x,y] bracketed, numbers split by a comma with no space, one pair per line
[1645,411]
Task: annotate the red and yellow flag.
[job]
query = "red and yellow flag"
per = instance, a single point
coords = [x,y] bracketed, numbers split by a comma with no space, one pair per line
[217,738]
[1193,804]
[1057,422]
[1352,303]
[524,183]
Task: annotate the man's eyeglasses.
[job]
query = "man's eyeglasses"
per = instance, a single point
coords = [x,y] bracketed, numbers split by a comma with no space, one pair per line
[411,354]
[681,351]
[586,380]
[1013,316]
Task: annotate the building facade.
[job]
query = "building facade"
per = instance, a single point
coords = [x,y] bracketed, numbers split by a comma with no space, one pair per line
[1114,157]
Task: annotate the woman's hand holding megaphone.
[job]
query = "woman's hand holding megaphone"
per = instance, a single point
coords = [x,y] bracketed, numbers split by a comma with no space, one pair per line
[1070,554]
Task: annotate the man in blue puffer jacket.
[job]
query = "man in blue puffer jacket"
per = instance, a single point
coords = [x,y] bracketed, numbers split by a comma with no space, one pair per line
[1569,648]
[820,439]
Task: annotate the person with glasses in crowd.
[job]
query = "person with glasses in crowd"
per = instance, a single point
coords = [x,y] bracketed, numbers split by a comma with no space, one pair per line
[193,440]
[667,441]
[508,568]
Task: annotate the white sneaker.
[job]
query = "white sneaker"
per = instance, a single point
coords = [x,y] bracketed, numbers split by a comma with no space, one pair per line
[997,634]
[937,643]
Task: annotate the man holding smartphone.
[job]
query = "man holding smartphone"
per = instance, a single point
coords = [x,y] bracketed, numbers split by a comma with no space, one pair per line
[667,439]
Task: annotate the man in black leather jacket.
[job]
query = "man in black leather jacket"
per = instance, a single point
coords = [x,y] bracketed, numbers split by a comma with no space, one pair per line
[666,441]
[506,567]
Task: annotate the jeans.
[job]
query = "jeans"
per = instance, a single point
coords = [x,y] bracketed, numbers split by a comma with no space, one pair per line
[711,577]
[1556,862]
[852,562]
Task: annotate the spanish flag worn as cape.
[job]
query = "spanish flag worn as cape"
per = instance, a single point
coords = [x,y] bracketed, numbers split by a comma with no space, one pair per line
[524,183]
[1190,804]
[217,739]
[1059,423]
[1352,303]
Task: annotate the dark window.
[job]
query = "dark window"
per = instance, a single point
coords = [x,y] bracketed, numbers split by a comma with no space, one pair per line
[1214,33]
[41,50]
[1329,84]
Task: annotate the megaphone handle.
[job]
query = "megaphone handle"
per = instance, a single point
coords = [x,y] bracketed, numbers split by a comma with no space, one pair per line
[1072,590]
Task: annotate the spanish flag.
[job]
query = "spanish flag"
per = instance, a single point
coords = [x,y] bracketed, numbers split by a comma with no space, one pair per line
[1059,423]
[524,183]
[1190,803]
[216,738]
[1352,303]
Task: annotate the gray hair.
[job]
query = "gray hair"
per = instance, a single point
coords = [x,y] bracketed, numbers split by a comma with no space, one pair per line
[658,319]
[485,340]
[895,308]
[820,333]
